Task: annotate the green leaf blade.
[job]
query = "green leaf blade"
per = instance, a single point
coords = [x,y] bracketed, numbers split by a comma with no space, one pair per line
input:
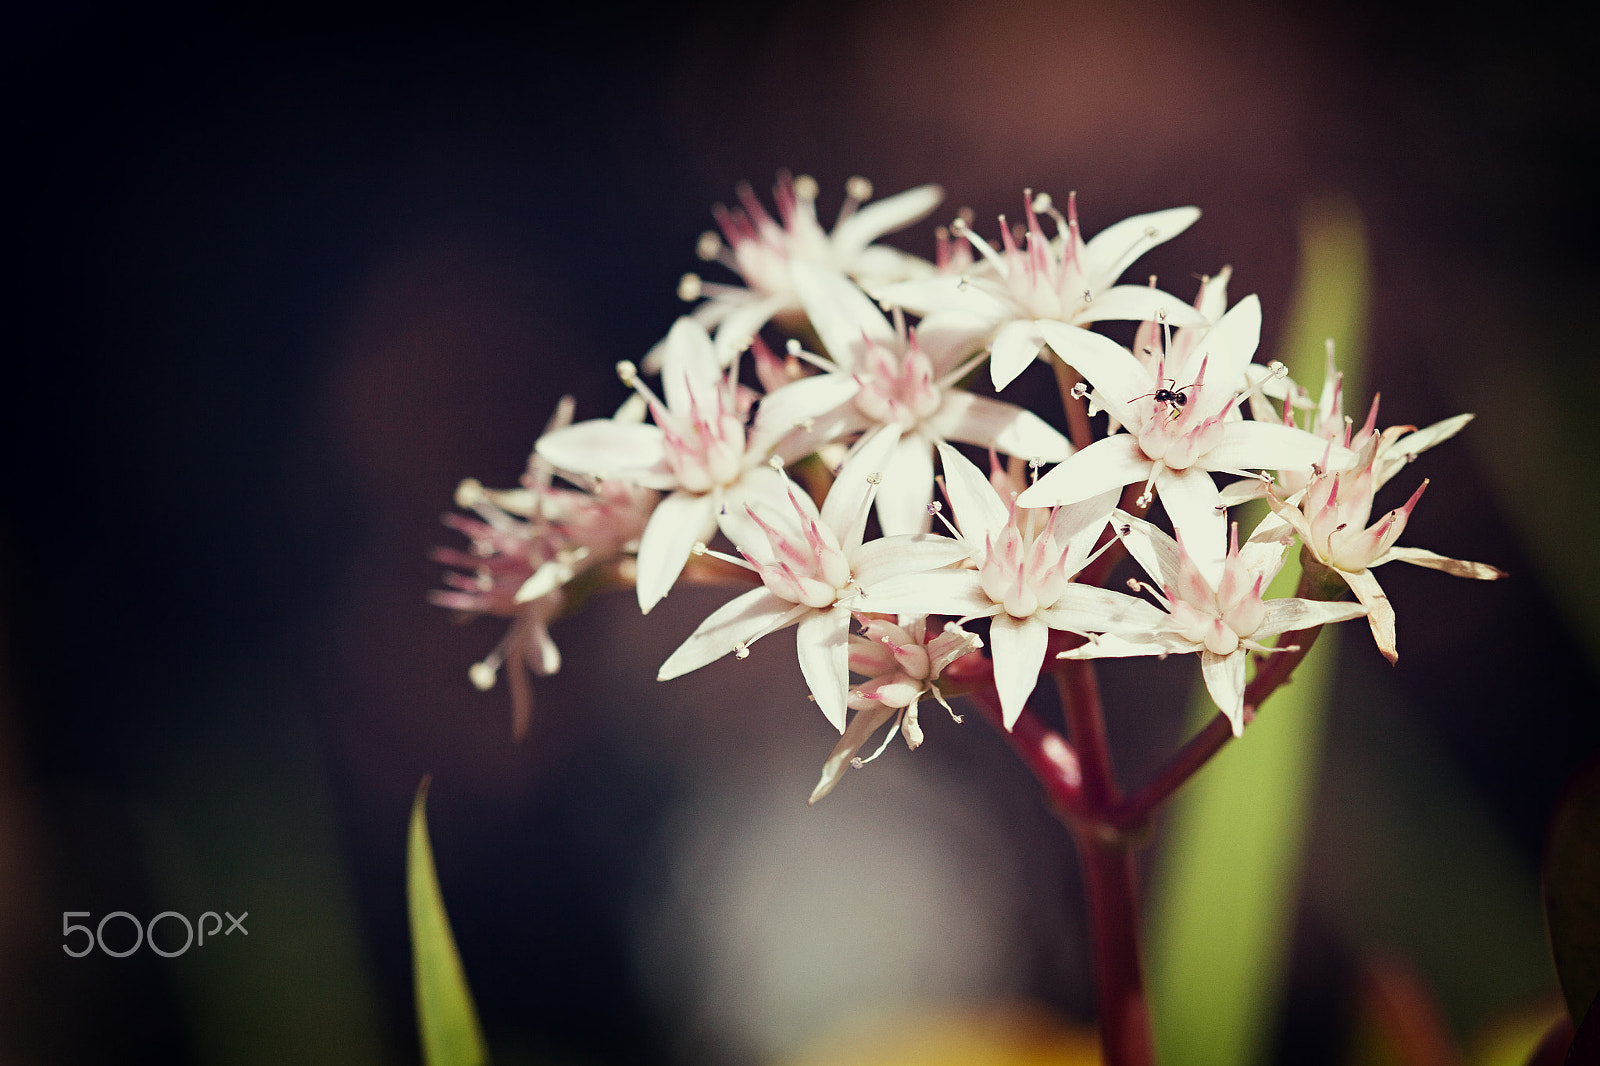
[447,1021]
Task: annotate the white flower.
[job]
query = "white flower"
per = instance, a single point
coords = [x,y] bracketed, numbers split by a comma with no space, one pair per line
[696,451]
[1332,514]
[1179,432]
[902,664]
[527,545]
[1060,280]
[811,566]
[1222,619]
[761,251]
[1022,581]
[883,375]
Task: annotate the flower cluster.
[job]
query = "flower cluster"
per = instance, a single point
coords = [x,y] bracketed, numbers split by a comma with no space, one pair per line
[819,491]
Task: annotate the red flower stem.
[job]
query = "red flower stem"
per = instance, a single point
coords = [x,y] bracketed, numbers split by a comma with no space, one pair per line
[1108,877]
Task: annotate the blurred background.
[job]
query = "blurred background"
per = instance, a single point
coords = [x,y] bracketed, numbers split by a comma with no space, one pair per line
[281,279]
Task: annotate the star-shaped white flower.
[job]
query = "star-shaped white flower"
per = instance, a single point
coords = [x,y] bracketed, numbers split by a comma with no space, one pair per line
[902,662]
[811,566]
[1223,620]
[1061,280]
[881,375]
[761,250]
[528,544]
[1331,516]
[1022,578]
[696,451]
[1178,432]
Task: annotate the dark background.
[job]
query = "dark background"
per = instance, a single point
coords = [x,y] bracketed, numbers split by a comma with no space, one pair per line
[279,280]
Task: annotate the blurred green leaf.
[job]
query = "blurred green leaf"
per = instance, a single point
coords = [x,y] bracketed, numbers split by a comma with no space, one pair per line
[1222,905]
[1572,889]
[446,1018]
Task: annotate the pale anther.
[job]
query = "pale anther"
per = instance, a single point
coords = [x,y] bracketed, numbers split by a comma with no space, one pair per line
[628,372]
[935,507]
[708,246]
[805,187]
[468,493]
[1151,232]
[793,347]
[689,288]
[1042,202]
[858,188]
[775,462]
[482,676]
[698,548]
[874,479]
[741,650]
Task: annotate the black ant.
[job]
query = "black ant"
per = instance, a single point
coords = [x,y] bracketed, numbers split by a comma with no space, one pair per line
[1175,397]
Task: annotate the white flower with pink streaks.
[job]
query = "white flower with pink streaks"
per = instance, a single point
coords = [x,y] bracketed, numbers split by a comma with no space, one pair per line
[1178,432]
[1059,280]
[761,250]
[1222,619]
[527,545]
[882,375]
[901,662]
[812,565]
[696,451]
[1023,563]
[1331,516]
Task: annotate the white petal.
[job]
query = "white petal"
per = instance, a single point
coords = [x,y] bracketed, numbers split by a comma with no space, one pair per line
[1007,428]
[741,620]
[678,521]
[1108,463]
[1224,678]
[1111,646]
[865,722]
[1434,561]
[1079,524]
[1151,548]
[1091,609]
[1380,612]
[1118,378]
[688,366]
[1292,613]
[843,316]
[1265,446]
[874,219]
[1013,348]
[945,293]
[950,338]
[814,399]
[740,325]
[1115,248]
[957,593]
[822,641]
[1018,646]
[1226,350]
[845,509]
[877,561]
[978,508]
[1139,303]
[606,449]
[1394,459]
[907,487]
[1195,507]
